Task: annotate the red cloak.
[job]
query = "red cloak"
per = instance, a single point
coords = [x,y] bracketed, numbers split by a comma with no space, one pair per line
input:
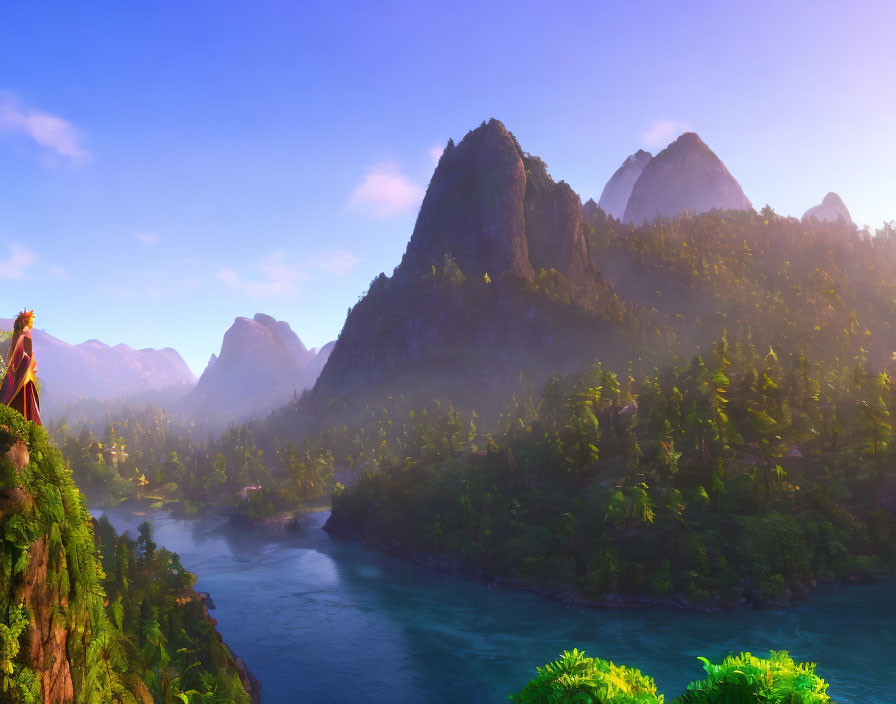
[18,389]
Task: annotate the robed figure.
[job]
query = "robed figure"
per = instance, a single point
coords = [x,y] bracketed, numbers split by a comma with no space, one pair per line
[18,390]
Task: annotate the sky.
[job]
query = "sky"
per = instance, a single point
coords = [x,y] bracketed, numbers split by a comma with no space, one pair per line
[168,165]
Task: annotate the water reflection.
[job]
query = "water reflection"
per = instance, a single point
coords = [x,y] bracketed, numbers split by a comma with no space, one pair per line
[320,620]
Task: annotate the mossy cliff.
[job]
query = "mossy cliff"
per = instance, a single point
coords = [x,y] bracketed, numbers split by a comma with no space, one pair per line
[61,640]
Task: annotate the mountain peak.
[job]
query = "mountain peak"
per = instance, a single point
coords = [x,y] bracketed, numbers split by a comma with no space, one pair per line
[686,176]
[473,208]
[831,209]
[495,210]
[616,193]
[261,364]
[285,335]
[689,138]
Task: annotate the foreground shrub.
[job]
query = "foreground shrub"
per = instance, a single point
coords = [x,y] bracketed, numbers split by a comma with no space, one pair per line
[746,679]
[583,680]
[740,679]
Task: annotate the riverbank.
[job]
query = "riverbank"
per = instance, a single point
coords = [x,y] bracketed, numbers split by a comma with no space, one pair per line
[275,523]
[194,606]
[748,596]
[283,524]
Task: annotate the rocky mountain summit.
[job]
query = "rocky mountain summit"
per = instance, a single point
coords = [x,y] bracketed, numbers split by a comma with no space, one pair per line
[831,209]
[619,188]
[495,210]
[497,276]
[262,364]
[686,176]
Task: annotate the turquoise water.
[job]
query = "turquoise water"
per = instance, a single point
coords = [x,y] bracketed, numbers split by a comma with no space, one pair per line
[320,620]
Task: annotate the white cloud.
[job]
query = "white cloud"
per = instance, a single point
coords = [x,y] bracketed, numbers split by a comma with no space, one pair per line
[49,131]
[385,192]
[147,239]
[435,153]
[16,264]
[661,132]
[269,277]
[337,262]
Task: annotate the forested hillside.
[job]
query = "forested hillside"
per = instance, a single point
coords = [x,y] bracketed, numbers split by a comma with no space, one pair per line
[738,477]
[87,616]
[815,287]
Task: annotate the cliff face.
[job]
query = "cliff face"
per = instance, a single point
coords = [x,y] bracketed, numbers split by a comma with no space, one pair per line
[618,190]
[685,177]
[497,279]
[495,210]
[473,208]
[554,229]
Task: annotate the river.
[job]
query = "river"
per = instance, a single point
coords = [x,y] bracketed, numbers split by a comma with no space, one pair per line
[321,620]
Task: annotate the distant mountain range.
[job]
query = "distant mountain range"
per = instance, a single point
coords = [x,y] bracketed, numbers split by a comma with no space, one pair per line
[262,365]
[95,370]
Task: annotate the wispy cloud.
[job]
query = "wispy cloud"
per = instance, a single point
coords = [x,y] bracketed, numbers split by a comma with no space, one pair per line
[386,192]
[661,132]
[15,266]
[59,272]
[147,239]
[48,131]
[337,262]
[268,277]
[435,153]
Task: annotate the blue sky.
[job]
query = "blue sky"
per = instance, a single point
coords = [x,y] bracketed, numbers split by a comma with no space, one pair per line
[168,165]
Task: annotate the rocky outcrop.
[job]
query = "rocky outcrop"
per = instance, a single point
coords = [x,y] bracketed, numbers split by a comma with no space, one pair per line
[473,208]
[831,209]
[495,210]
[47,635]
[262,364]
[686,177]
[554,230]
[618,190]
[249,681]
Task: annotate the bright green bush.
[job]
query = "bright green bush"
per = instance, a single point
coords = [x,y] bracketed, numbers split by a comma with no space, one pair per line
[747,679]
[739,679]
[577,678]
